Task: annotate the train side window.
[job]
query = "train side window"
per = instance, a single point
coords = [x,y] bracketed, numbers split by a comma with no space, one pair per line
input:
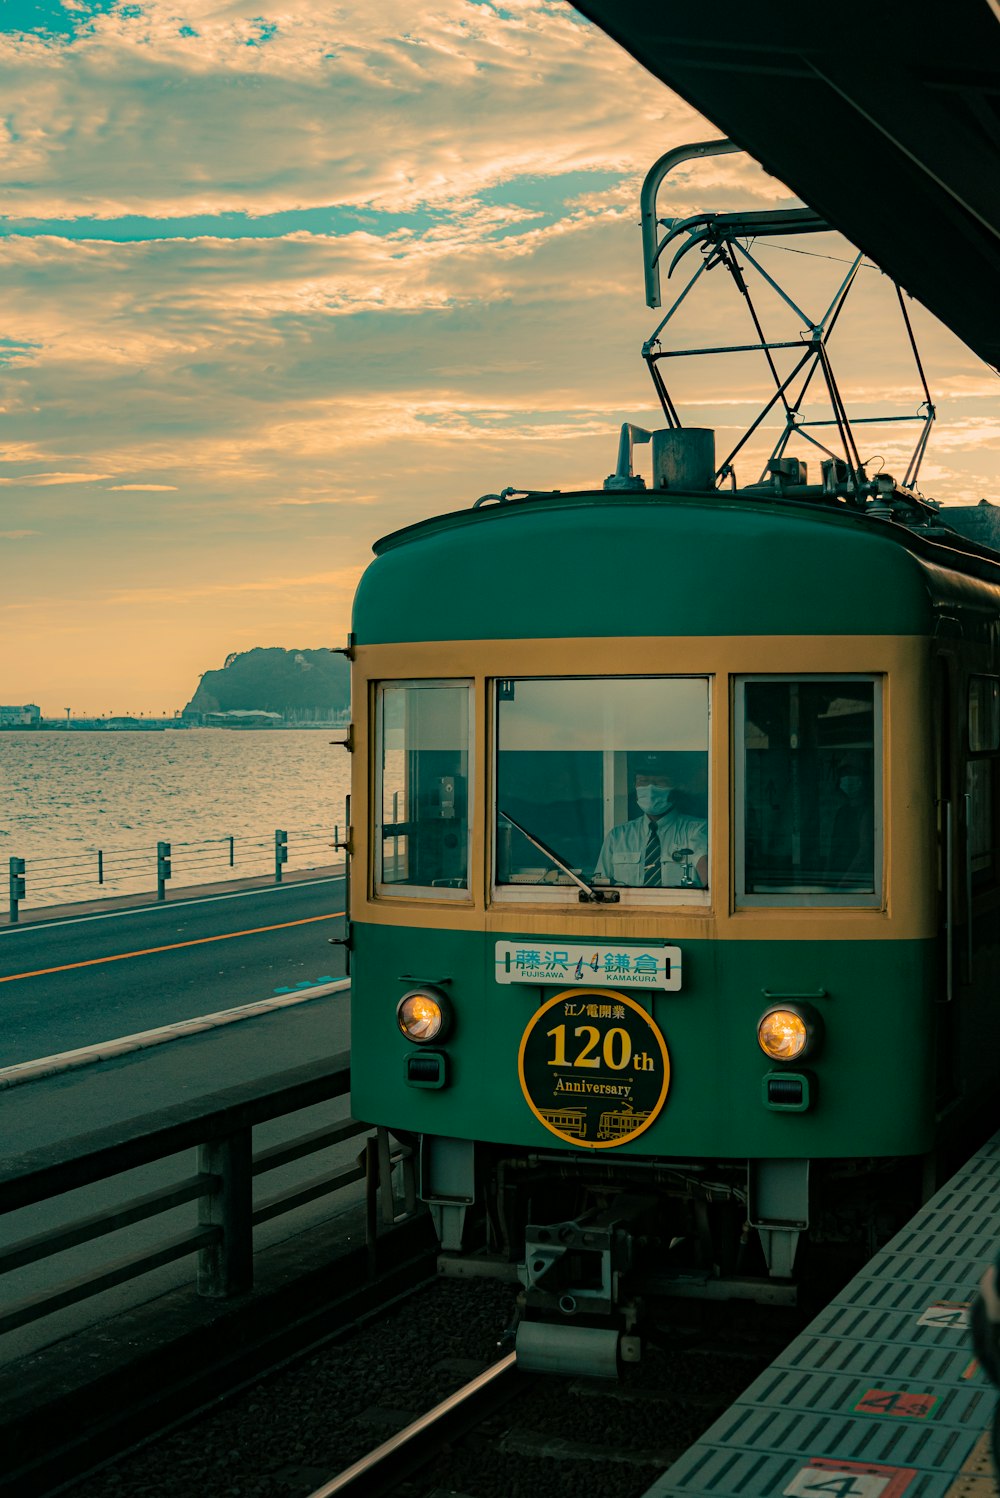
[981,775]
[423,737]
[809,791]
[984,714]
[591,774]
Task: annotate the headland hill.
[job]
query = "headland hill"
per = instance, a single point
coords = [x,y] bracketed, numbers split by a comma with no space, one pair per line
[266,687]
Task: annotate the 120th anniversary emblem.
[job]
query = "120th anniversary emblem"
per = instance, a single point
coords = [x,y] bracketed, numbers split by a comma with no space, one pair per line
[593,1067]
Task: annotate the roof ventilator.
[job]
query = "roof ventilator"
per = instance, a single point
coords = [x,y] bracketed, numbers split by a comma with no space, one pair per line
[683,459]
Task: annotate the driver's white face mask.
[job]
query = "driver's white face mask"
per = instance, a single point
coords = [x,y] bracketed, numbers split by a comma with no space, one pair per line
[653,799]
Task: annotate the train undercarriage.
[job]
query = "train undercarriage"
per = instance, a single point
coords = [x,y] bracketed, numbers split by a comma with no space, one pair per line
[603,1249]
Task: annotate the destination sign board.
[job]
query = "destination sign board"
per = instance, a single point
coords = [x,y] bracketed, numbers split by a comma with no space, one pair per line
[628,964]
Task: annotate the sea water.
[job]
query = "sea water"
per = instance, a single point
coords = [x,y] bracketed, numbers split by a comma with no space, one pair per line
[67,795]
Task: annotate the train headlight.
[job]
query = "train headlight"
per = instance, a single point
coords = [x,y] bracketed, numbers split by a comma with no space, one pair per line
[788,1032]
[423,1014]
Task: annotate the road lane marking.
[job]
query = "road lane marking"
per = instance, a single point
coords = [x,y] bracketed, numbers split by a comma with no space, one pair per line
[174,946]
[166,905]
[304,983]
[107,1050]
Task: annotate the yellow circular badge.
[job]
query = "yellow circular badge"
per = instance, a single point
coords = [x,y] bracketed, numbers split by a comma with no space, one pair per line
[593,1068]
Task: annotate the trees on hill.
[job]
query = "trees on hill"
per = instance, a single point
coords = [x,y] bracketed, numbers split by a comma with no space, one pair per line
[277,681]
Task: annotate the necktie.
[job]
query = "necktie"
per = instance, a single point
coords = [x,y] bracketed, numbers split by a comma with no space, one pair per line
[651,864]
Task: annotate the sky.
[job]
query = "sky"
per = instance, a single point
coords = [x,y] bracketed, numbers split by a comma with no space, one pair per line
[277,281]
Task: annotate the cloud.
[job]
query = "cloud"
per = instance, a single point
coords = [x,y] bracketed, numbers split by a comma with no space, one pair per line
[984,385]
[973,432]
[525,92]
[366,107]
[338,497]
[240,372]
[16,535]
[337,580]
[41,480]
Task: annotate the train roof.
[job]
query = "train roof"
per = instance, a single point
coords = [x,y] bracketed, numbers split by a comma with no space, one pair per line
[593,563]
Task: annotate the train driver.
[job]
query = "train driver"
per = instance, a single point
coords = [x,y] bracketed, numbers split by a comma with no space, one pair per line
[663,845]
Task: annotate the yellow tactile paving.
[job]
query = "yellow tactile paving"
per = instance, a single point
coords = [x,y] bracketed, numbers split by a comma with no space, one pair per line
[976,1479]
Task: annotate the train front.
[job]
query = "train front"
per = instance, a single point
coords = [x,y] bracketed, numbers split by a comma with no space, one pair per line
[642,919]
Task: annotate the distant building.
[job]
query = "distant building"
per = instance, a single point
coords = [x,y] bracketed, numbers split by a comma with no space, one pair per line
[311,717]
[28,716]
[243,717]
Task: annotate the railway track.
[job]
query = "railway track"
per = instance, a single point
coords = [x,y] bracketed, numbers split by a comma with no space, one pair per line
[548,1436]
[419,1400]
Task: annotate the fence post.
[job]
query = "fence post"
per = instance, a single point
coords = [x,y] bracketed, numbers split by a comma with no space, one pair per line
[232,852]
[280,853]
[16,888]
[100,865]
[226,1268]
[162,869]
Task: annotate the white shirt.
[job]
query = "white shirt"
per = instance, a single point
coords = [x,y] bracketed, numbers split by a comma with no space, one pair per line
[623,856]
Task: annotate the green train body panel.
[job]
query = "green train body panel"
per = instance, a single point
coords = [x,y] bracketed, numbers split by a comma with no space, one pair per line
[873,1076]
[569,566]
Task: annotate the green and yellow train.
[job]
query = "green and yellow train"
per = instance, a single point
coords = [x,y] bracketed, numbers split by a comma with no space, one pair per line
[675,875]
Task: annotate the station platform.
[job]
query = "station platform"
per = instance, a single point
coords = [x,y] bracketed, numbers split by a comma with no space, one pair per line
[881,1396]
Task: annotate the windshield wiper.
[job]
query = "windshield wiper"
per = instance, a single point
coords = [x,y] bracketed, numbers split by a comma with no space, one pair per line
[588,892]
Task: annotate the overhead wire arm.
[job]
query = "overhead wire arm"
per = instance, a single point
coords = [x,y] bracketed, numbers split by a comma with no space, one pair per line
[650,187]
[722,228]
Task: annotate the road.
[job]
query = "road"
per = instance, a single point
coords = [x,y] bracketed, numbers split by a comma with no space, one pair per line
[66,983]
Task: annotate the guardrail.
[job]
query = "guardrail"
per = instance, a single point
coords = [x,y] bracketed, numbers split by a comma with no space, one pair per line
[131,870]
[221,1128]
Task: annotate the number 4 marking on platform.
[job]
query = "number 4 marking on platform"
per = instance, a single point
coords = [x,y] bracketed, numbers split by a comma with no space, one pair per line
[839,1484]
[947,1313]
[848,1480]
[896,1402]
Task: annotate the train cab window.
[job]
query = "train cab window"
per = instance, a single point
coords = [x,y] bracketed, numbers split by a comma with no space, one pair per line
[602,781]
[809,791]
[421,844]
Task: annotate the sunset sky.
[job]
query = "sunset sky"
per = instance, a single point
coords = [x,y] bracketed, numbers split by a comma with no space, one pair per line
[276,282]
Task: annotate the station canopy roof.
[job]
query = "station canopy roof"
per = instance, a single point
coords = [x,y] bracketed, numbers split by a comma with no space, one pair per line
[884,118]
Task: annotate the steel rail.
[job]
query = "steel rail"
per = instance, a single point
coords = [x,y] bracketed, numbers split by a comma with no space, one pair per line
[414,1446]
